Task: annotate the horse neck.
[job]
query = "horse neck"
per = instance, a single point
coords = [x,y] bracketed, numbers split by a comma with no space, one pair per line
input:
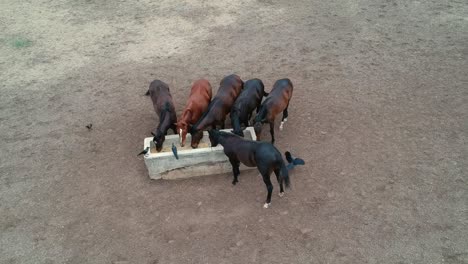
[224,139]
[241,109]
[206,119]
[205,122]
[187,116]
[236,120]
[165,121]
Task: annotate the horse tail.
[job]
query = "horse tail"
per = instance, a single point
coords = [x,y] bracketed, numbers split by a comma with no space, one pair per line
[284,175]
[147,93]
[293,161]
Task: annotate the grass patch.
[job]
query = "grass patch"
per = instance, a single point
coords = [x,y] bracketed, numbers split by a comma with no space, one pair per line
[21,43]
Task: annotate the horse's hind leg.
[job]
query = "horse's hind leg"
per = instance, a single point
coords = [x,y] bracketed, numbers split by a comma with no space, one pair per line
[272,132]
[235,169]
[266,180]
[174,128]
[280,182]
[285,117]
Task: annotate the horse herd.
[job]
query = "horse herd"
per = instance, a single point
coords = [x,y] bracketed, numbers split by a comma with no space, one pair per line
[239,100]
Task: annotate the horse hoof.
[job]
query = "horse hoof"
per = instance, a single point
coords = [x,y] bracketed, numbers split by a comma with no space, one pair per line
[234,182]
[266,205]
[281,194]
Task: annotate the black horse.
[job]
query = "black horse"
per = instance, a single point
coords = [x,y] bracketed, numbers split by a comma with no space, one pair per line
[262,155]
[164,107]
[249,99]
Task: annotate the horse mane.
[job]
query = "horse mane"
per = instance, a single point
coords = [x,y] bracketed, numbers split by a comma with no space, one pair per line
[262,113]
[187,112]
[166,109]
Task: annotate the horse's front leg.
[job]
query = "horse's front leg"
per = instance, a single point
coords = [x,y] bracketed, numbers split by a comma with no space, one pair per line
[235,169]
[285,117]
[272,132]
[248,119]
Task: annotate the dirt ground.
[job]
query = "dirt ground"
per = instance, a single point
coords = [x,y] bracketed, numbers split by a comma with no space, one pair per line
[379,113]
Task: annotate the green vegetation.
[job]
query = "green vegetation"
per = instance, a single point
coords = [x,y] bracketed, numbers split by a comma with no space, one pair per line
[21,43]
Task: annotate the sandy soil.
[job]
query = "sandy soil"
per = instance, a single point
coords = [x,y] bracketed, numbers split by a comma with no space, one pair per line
[379,113]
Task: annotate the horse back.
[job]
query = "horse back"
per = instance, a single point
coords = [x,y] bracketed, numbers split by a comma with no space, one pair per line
[230,87]
[242,150]
[202,88]
[267,155]
[199,99]
[160,95]
[279,97]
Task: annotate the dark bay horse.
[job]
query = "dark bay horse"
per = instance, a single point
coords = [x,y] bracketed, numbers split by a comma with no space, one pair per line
[249,100]
[164,108]
[262,155]
[230,87]
[276,102]
[197,104]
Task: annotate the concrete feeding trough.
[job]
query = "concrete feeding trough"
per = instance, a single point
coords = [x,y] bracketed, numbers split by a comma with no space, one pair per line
[201,161]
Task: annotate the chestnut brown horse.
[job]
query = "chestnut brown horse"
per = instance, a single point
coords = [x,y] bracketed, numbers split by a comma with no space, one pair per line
[249,100]
[164,108]
[229,88]
[197,104]
[262,155]
[276,102]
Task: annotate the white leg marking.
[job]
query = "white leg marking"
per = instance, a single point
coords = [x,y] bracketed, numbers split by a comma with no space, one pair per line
[266,205]
[281,194]
[281,125]
[180,136]
[285,120]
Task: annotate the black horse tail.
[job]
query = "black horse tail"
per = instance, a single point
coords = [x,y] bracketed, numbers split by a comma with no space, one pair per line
[147,93]
[285,175]
[293,161]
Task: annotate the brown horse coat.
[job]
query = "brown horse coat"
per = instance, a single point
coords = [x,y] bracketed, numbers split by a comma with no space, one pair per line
[276,102]
[230,87]
[197,104]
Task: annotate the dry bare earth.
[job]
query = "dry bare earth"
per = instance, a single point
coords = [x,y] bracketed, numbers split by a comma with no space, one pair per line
[379,113]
